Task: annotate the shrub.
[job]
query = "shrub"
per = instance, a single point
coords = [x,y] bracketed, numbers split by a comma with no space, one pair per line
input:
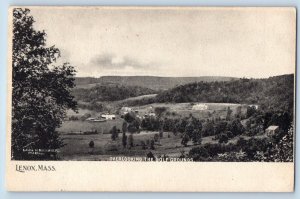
[223,138]
[91,144]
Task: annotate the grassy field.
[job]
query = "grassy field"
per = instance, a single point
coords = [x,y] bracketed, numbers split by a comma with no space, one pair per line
[87,86]
[77,146]
[77,143]
[79,127]
[80,112]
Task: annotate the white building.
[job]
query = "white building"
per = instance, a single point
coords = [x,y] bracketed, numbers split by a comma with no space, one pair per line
[108,116]
[200,107]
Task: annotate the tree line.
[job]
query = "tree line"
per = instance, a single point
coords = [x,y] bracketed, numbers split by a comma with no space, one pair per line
[274,93]
[109,92]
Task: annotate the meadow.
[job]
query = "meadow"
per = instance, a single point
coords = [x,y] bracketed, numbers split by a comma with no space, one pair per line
[77,140]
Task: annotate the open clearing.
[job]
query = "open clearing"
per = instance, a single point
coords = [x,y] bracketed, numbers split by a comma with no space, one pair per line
[78,127]
[77,146]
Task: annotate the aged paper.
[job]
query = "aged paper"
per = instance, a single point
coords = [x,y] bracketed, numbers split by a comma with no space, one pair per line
[168,99]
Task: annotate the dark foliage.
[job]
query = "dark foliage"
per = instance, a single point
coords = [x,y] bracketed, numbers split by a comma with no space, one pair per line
[124,139]
[91,144]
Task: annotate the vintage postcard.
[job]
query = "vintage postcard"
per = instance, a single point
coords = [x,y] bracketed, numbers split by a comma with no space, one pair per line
[181,99]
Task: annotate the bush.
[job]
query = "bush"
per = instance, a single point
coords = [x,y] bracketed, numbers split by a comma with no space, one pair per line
[199,154]
[124,140]
[185,140]
[130,140]
[161,134]
[91,144]
[143,144]
[152,145]
[223,138]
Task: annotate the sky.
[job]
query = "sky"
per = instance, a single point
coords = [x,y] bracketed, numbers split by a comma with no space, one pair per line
[236,42]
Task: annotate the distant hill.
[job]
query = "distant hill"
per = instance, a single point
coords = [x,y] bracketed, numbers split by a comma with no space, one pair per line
[110,92]
[276,93]
[152,82]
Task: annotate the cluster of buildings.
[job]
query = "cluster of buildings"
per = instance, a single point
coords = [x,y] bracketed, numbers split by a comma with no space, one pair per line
[200,107]
[126,110]
[123,111]
[102,118]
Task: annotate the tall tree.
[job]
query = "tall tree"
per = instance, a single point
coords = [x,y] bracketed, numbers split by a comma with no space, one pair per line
[41,90]
[114,133]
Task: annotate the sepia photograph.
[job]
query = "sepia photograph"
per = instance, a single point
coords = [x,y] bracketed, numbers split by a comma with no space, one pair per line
[152,84]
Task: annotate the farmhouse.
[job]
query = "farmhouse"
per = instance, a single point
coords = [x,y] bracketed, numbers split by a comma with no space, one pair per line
[200,107]
[108,116]
[271,130]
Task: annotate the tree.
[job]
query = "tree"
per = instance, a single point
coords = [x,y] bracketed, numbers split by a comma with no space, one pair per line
[124,140]
[197,137]
[181,125]
[150,156]
[220,127]
[40,94]
[152,145]
[223,138]
[228,114]
[185,140]
[156,137]
[114,133]
[189,129]
[199,153]
[208,128]
[161,134]
[91,144]
[159,111]
[238,113]
[250,111]
[130,140]
[132,128]
[193,130]
[129,117]
[236,127]
[124,127]
[143,144]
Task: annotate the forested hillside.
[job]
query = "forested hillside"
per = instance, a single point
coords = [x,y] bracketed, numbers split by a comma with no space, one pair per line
[152,82]
[109,92]
[275,93]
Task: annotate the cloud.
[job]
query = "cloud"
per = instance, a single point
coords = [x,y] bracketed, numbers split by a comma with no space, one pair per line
[111,61]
